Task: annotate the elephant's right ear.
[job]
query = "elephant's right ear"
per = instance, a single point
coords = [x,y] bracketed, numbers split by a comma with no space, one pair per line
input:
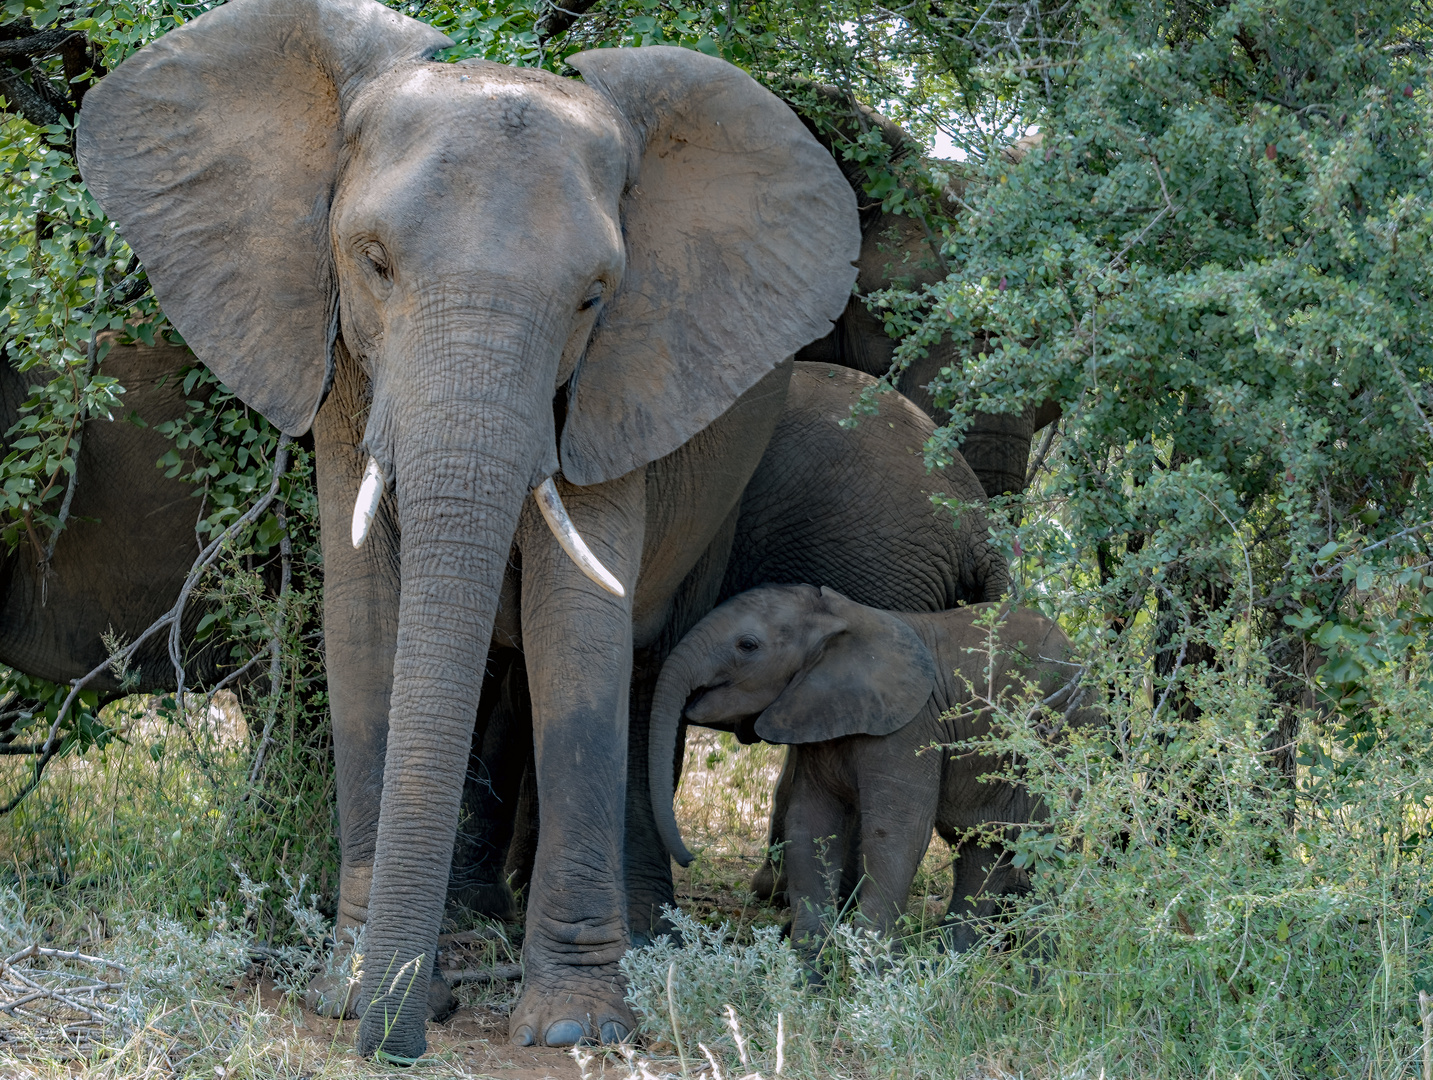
[215,150]
[871,678]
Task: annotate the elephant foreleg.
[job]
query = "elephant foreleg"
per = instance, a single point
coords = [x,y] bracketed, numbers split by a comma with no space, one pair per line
[815,823]
[899,789]
[360,617]
[769,882]
[578,643]
[502,742]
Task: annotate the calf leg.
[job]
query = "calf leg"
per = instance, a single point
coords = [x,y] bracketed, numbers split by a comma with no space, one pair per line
[898,792]
[813,854]
[983,875]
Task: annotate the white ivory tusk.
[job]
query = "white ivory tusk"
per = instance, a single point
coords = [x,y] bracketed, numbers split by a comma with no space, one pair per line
[555,514]
[365,507]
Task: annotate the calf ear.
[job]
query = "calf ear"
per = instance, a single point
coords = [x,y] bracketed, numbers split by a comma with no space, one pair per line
[871,678]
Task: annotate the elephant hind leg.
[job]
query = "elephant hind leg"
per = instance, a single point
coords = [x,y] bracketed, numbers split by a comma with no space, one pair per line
[502,745]
[984,878]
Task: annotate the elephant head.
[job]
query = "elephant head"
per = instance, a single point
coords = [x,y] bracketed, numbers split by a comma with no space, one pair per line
[536,275]
[807,663]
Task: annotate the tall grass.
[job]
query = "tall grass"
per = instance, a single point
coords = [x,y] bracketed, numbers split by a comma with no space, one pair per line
[1195,913]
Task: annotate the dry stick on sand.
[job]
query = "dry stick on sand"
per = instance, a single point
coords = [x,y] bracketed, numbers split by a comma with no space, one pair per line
[32,994]
[173,619]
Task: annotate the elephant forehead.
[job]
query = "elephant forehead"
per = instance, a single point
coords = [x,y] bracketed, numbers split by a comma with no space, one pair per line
[488,112]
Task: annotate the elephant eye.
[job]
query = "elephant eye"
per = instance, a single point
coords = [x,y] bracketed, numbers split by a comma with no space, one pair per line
[747,643]
[593,298]
[377,256]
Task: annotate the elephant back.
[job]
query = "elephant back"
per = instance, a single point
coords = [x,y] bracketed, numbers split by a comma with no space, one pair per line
[850,507]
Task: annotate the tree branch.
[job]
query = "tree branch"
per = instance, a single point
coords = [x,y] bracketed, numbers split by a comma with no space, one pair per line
[561,18]
[26,100]
[42,44]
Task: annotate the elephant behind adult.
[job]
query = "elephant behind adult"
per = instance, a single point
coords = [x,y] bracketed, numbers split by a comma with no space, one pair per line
[901,251]
[120,560]
[500,275]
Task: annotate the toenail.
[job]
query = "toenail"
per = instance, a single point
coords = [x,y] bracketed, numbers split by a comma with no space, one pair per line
[564,1033]
[522,1036]
[614,1032]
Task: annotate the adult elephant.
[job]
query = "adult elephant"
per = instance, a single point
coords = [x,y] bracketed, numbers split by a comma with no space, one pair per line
[469,279]
[902,251]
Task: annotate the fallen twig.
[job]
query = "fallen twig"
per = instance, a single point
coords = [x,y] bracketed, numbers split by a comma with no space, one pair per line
[51,995]
[496,973]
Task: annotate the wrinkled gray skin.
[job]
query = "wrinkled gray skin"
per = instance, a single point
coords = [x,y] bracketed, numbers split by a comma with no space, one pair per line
[898,252]
[858,693]
[895,250]
[121,559]
[497,275]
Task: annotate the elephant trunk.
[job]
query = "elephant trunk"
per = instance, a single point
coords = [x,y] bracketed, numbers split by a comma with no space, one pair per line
[681,674]
[466,451]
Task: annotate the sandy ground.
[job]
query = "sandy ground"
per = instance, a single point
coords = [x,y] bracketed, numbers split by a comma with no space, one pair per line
[475,1036]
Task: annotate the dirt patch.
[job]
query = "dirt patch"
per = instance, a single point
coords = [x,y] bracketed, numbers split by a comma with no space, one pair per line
[475,1039]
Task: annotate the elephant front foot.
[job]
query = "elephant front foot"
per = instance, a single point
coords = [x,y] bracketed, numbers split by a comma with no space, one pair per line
[331,995]
[333,992]
[570,1005]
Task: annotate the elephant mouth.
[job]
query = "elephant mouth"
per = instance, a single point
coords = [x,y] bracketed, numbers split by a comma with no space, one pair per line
[698,709]
[743,726]
[549,502]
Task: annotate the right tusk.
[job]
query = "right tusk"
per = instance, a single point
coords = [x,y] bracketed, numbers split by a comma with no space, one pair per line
[555,514]
[365,507]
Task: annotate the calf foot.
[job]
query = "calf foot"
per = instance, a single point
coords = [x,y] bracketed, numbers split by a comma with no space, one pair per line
[768,885]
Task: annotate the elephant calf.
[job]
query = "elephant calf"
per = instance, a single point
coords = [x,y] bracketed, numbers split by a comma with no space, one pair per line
[859,693]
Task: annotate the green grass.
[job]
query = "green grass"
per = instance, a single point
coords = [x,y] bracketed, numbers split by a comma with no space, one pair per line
[1181,926]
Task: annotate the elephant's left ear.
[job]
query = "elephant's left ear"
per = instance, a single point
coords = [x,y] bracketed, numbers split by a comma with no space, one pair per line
[741,236]
[872,677]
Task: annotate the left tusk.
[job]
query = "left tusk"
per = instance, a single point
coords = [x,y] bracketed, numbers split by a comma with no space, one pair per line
[555,514]
[365,507]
